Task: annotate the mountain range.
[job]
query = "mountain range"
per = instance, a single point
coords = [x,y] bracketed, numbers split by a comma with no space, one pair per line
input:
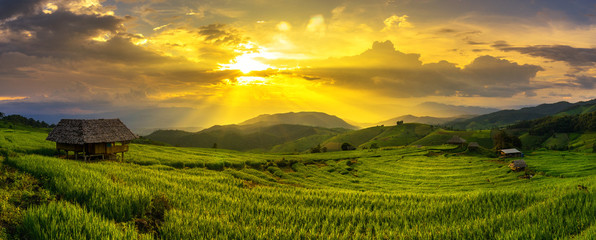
[297,132]
[506,117]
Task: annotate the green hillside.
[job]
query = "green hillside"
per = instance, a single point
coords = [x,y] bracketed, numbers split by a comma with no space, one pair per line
[400,135]
[506,117]
[243,137]
[405,134]
[561,132]
[441,136]
[581,109]
[355,138]
[302,144]
[165,192]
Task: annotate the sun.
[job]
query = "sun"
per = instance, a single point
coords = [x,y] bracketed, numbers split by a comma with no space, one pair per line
[246,63]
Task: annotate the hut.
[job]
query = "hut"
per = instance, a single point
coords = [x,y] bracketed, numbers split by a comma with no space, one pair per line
[510,152]
[473,145]
[91,137]
[456,140]
[518,165]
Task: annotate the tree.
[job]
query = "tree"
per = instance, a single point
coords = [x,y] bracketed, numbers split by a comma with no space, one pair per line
[504,140]
[1,115]
[400,122]
[316,149]
[214,145]
[347,146]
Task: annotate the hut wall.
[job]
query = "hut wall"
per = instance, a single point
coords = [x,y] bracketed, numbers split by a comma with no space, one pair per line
[70,147]
[117,149]
[94,148]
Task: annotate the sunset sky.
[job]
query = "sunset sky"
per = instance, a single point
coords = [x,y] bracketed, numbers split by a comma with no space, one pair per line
[199,63]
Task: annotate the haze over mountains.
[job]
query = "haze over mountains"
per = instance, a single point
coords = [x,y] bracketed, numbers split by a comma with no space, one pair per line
[287,132]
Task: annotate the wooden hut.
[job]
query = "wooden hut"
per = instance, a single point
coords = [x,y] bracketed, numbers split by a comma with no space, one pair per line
[456,140]
[510,152]
[91,137]
[473,145]
[518,165]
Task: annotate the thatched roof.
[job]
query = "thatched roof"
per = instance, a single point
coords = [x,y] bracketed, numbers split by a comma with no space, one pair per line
[517,165]
[456,140]
[80,131]
[473,145]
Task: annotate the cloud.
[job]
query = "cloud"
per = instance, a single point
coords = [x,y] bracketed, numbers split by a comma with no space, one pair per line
[578,57]
[13,8]
[395,22]
[316,24]
[220,34]
[61,33]
[582,81]
[381,55]
[390,72]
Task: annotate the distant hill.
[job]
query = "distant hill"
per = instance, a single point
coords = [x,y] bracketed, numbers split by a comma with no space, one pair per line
[506,117]
[317,119]
[424,119]
[241,137]
[404,134]
[441,109]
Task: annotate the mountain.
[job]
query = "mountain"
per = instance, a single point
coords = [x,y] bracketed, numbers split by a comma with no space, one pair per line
[506,117]
[424,119]
[446,110]
[242,137]
[316,119]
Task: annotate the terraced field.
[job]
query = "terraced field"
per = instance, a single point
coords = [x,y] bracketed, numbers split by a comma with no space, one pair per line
[388,193]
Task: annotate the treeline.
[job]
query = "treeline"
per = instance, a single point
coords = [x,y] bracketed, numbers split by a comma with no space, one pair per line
[18,119]
[559,124]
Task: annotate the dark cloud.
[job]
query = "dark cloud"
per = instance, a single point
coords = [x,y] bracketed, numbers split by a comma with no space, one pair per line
[489,70]
[446,30]
[553,94]
[470,42]
[12,8]
[403,75]
[500,44]
[578,57]
[220,34]
[67,35]
[60,34]
[583,81]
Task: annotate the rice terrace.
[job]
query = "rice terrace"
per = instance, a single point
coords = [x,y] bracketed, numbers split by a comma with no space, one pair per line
[392,192]
[309,119]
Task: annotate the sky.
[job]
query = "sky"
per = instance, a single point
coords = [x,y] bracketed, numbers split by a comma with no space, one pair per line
[182,63]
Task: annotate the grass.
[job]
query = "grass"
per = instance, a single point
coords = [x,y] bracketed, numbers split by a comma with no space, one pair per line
[62,220]
[165,192]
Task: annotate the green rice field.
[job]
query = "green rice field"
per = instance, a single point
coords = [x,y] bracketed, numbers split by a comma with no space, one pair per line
[160,192]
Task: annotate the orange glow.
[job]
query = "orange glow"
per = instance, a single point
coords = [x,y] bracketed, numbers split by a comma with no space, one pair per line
[5,98]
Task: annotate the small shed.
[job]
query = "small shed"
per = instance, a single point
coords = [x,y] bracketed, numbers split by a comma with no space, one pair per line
[518,165]
[473,145]
[510,152]
[91,137]
[456,140]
